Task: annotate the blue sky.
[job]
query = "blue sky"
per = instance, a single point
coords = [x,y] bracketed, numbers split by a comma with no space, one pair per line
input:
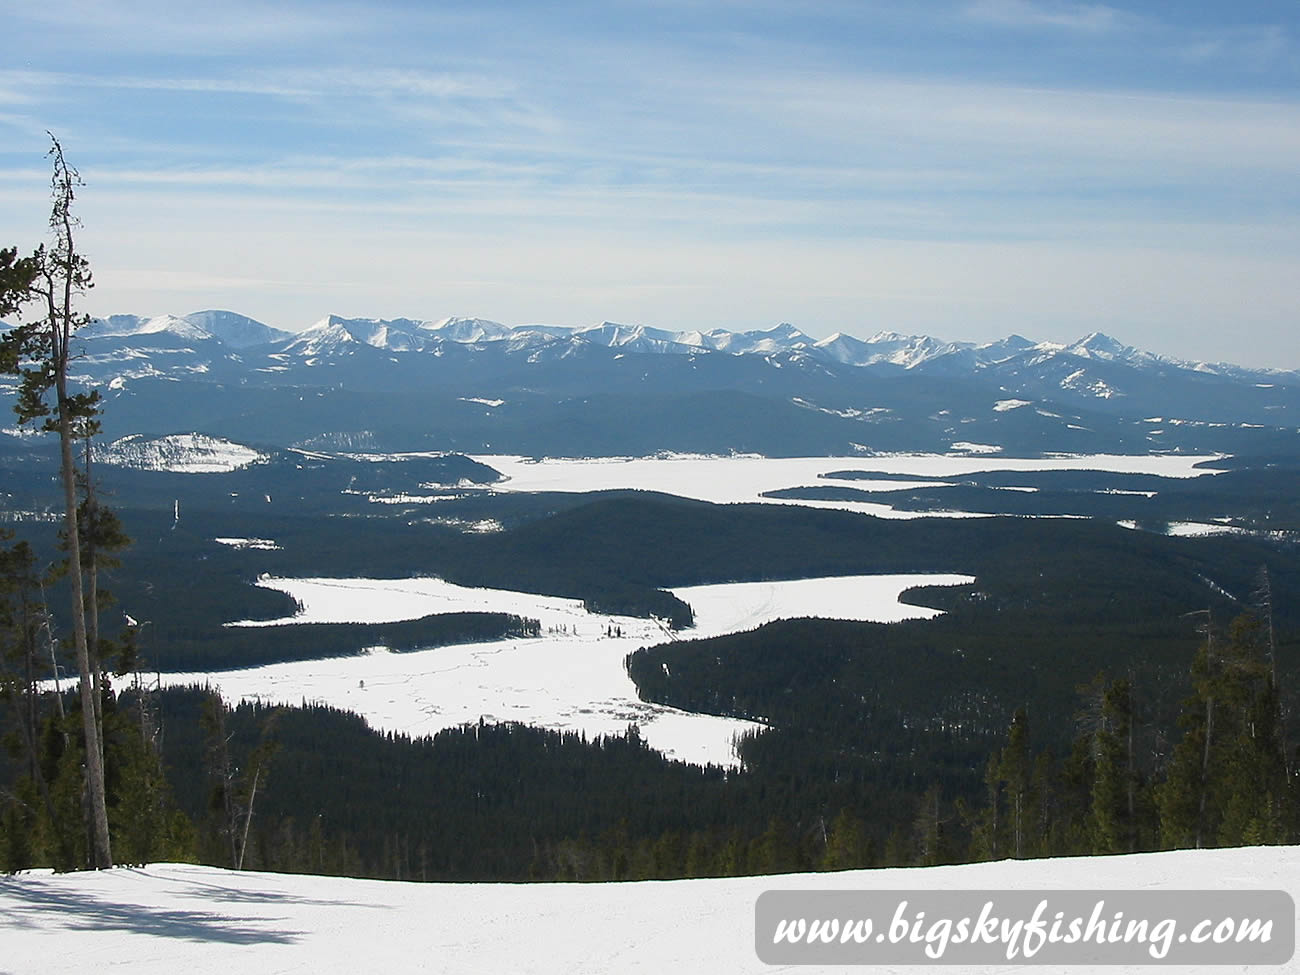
[966,169]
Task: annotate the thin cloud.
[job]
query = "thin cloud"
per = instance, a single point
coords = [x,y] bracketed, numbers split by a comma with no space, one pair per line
[1088,18]
[1255,47]
[160,26]
[287,84]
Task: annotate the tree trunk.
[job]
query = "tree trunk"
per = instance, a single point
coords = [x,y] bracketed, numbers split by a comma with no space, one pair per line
[92,603]
[1205,769]
[248,818]
[1130,775]
[102,855]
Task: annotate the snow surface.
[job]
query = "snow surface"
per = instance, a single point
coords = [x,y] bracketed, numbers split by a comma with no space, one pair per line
[182,453]
[1196,529]
[747,478]
[572,678]
[965,446]
[170,918]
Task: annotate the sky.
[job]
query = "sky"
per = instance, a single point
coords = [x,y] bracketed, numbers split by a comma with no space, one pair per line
[959,168]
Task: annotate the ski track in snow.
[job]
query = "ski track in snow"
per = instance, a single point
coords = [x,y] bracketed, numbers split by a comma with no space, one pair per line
[169,918]
[572,678]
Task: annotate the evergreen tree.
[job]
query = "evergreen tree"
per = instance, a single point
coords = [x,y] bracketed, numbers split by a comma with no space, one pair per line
[39,352]
[986,824]
[847,847]
[233,795]
[1112,819]
[1226,782]
[931,830]
[1015,772]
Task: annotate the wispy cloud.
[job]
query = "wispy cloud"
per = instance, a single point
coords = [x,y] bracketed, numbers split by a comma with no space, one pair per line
[136,26]
[1090,18]
[20,86]
[1256,47]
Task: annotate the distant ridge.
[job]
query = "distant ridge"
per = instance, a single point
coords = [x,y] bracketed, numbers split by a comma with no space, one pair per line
[884,349]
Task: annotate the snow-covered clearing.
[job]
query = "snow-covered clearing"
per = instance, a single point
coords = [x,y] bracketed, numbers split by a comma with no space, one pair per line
[182,453]
[732,607]
[261,544]
[571,678]
[747,478]
[965,446]
[1197,529]
[172,918]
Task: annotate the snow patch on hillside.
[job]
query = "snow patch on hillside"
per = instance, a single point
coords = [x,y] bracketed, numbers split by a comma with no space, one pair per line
[259,544]
[182,453]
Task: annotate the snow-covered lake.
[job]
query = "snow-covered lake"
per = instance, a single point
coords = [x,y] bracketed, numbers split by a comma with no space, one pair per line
[570,678]
[744,478]
[170,918]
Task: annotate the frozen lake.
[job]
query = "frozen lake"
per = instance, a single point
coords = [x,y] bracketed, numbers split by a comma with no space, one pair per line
[743,478]
[570,678]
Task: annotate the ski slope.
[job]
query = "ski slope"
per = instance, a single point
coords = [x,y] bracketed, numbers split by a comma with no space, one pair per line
[167,919]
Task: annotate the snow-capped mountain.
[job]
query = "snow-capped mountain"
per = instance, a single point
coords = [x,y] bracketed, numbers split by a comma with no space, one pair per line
[334,335]
[883,351]
[235,330]
[751,389]
[468,329]
[133,326]
[634,338]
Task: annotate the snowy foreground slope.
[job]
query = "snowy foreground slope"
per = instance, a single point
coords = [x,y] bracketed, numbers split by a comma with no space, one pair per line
[199,920]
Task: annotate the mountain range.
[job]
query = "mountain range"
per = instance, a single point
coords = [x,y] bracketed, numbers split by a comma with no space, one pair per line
[610,388]
[885,350]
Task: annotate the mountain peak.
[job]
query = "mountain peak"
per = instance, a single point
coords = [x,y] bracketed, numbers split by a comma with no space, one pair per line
[783,331]
[124,326]
[467,330]
[1098,344]
[236,330]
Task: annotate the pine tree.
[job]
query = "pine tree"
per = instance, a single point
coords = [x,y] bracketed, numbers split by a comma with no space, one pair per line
[21,621]
[846,844]
[40,352]
[1254,780]
[986,823]
[17,275]
[1226,782]
[931,830]
[233,796]
[1015,771]
[1112,813]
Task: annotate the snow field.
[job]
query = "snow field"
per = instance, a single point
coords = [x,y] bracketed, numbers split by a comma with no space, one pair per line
[745,478]
[572,678]
[170,918]
[184,453]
